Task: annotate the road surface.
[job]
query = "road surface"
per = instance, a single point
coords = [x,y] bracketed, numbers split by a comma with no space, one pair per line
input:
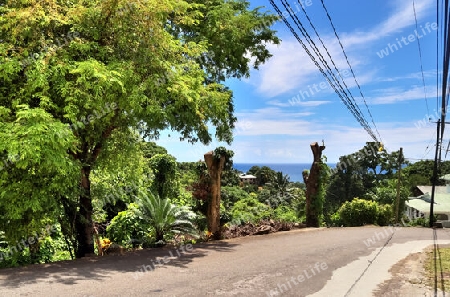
[307,262]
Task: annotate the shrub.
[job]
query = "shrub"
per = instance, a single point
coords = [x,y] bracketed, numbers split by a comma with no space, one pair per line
[285,214]
[126,228]
[358,212]
[384,214]
[249,210]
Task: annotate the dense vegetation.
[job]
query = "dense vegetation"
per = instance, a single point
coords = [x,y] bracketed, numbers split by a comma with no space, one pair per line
[83,82]
[85,86]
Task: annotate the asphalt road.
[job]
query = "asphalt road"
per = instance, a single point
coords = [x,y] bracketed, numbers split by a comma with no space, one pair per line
[317,262]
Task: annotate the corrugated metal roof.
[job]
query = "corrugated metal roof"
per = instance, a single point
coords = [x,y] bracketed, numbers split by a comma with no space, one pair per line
[422,204]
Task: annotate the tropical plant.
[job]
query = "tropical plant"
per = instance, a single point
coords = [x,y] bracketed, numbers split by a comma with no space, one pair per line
[127,229]
[164,167]
[165,218]
[250,210]
[83,71]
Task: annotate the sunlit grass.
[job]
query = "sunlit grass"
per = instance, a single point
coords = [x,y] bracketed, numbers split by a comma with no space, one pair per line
[437,266]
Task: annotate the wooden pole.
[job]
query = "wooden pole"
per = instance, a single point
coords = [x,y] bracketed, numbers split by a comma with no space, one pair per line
[397,204]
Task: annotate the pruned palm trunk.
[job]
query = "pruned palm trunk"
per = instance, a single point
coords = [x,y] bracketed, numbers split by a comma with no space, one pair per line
[312,187]
[215,167]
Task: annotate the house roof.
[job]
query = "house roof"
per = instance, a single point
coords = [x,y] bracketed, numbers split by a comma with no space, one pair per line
[428,189]
[422,203]
[247,176]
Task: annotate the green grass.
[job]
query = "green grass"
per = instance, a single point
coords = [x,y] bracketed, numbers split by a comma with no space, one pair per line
[437,266]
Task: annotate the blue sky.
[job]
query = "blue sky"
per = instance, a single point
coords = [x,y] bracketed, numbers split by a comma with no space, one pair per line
[288,104]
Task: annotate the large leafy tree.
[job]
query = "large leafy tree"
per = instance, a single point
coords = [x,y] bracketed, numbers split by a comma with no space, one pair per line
[360,173]
[91,69]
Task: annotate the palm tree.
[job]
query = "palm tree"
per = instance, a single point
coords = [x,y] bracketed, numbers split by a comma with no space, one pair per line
[280,182]
[165,217]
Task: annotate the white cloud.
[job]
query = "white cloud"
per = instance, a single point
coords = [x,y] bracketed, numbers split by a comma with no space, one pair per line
[396,95]
[291,68]
[401,18]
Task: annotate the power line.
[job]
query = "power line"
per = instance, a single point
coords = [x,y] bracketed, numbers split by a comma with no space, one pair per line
[328,74]
[420,57]
[351,68]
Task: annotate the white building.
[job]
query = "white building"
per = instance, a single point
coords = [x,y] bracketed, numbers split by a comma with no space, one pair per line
[248,178]
[419,207]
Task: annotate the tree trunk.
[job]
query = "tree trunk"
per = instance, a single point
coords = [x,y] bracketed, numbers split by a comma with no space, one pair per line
[312,187]
[85,227]
[215,167]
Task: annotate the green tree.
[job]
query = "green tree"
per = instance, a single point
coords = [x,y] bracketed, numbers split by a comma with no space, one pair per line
[263,174]
[165,182]
[360,173]
[103,67]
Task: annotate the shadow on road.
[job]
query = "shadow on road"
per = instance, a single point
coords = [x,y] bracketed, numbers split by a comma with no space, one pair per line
[439,282]
[99,268]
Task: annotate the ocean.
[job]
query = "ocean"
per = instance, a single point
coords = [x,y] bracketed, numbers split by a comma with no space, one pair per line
[294,171]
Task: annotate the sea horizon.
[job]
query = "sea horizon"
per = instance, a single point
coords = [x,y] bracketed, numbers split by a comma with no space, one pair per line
[293,170]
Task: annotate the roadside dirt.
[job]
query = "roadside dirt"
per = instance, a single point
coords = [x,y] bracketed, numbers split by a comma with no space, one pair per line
[409,278]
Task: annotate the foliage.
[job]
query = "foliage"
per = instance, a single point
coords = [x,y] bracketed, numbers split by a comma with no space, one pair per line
[73,73]
[250,210]
[150,149]
[385,214]
[165,218]
[165,182]
[127,229]
[360,173]
[48,249]
[263,174]
[386,193]
[318,201]
[420,173]
[359,212]
[231,195]
[285,214]
[228,154]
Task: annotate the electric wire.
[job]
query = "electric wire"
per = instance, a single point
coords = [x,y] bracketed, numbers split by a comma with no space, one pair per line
[420,57]
[351,68]
[330,76]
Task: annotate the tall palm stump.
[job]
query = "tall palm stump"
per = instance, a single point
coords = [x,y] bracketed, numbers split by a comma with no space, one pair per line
[215,167]
[312,187]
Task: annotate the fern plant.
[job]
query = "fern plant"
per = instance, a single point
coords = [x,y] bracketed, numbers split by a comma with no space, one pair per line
[166,218]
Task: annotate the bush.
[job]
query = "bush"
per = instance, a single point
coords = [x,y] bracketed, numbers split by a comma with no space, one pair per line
[285,214]
[384,214]
[358,212]
[249,210]
[336,220]
[126,228]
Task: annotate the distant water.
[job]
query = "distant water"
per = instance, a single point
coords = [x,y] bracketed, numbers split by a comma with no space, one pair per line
[293,170]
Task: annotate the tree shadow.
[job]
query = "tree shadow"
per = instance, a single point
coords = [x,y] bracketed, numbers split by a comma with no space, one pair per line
[98,268]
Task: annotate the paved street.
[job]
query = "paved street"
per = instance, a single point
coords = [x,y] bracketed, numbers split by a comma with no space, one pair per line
[317,262]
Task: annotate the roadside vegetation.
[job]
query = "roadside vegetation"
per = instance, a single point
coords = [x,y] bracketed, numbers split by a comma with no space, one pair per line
[437,266]
[85,86]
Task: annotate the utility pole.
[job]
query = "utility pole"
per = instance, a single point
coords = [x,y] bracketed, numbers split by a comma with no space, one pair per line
[397,204]
[434,178]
